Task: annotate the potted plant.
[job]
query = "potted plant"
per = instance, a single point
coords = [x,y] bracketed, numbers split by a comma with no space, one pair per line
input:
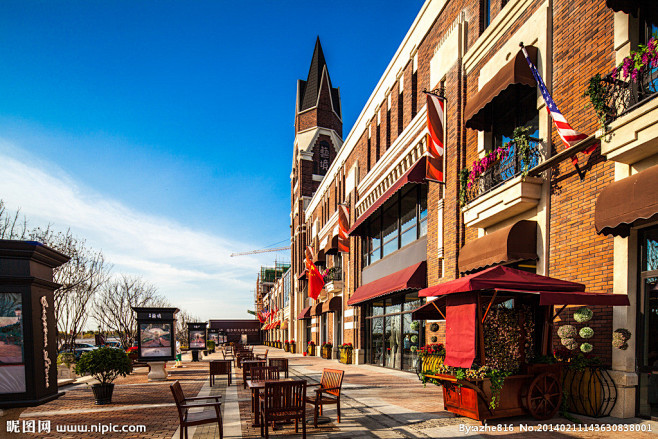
[292,346]
[211,346]
[346,353]
[65,366]
[311,348]
[326,350]
[104,364]
[286,345]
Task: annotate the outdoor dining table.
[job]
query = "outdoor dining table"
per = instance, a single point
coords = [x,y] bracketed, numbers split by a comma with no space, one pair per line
[256,387]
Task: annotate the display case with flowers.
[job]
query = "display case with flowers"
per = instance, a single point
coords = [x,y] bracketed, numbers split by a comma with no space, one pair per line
[311,348]
[346,353]
[326,350]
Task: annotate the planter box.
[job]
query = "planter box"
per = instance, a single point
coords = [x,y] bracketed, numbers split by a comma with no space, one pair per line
[292,348]
[589,392]
[346,356]
[286,347]
[66,373]
[311,350]
[326,352]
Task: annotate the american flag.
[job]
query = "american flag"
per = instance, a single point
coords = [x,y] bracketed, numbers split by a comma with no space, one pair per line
[568,135]
[435,148]
[343,227]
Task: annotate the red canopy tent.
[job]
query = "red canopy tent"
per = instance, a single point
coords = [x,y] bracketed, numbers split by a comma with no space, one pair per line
[456,303]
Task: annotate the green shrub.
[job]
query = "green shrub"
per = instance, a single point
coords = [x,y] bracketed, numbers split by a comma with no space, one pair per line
[211,345]
[104,364]
[586,332]
[586,347]
[65,359]
[583,314]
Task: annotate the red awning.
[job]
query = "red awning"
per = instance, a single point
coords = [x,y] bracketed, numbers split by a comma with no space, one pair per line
[501,277]
[414,277]
[414,175]
[305,314]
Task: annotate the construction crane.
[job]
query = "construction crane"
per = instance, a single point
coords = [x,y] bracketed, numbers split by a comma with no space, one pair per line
[263,250]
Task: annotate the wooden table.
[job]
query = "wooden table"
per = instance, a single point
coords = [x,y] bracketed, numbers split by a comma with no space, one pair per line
[256,387]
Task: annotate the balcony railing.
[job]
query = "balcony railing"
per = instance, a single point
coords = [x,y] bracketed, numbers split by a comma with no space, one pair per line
[334,275]
[513,163]
[612,97]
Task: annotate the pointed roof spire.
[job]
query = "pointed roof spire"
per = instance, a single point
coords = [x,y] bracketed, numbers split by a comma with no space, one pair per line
[312,85]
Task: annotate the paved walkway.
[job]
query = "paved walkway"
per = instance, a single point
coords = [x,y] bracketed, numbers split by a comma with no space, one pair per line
[375,403]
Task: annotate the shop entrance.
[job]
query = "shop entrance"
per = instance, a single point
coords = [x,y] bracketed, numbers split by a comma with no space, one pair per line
[647,325]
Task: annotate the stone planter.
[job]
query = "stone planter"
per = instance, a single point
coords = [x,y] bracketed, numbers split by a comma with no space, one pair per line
[66,373]
[103,393]
[346,356]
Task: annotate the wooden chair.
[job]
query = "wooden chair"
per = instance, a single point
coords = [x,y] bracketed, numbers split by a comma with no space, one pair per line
[246,372]
[265,373]
[220,367]
[188,419]
[328,393]
[281,363]
[262,356]
[241,356]
[283,401]
[228,356]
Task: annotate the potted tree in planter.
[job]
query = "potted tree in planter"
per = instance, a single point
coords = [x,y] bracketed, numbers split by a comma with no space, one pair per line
[292,346]
[346,353]
[104,364]
[211,346]
[311,348]
[326,350]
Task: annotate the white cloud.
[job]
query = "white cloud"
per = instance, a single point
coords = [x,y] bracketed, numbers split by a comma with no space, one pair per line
[191,268]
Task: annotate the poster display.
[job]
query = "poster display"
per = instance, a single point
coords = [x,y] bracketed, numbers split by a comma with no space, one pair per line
[197,339]
[12,367]
[155,339]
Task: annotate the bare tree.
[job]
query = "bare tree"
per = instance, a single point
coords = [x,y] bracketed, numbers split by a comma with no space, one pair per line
[113,306]
[11,225]
[80,279]
[182,319]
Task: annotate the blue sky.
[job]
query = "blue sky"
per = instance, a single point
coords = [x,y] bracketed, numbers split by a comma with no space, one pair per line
[162,131]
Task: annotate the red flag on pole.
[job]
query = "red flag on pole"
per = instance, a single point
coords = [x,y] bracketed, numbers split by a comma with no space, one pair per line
[315,279]
[343,227]
[435,143]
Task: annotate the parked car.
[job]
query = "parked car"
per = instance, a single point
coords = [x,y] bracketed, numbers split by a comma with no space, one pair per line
[77,349]
[114,344]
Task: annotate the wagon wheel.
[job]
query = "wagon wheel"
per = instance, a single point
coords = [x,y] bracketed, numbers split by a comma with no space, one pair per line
[544,396]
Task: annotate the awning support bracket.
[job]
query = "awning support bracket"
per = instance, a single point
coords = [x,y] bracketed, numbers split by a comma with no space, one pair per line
[437,308]
[489,307]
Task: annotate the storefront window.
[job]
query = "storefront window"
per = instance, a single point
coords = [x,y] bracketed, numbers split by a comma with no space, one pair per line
[401,221]
[392,342]
[12,366]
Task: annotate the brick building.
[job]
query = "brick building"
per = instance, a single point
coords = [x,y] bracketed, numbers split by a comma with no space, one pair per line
[532,209]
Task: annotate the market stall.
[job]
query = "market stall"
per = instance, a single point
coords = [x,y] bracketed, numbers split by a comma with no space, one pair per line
[499,326]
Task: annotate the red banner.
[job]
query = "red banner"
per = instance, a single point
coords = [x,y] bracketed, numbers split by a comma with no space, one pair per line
[435,141]
[343,227]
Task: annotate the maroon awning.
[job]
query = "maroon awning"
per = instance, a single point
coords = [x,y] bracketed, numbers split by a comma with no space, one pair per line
[335,304]
[316,309]
[414,175]
[414,277]
[305,314]
[626,202]
[501,89]
[503,278]
[332,246]
[512,243]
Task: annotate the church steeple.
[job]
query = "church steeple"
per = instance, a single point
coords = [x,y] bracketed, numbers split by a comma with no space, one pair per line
[317,99]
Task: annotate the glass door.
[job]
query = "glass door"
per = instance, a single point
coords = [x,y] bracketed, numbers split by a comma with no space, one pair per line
[377,340]
[647,325]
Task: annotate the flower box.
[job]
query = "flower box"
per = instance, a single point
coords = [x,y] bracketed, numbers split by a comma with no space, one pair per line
[346,355]
[311,350]
[292,348]
[326,352]
[286,347]
[430,362]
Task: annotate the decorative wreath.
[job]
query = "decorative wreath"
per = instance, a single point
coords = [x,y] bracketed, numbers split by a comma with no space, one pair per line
[433,339]
[434,327]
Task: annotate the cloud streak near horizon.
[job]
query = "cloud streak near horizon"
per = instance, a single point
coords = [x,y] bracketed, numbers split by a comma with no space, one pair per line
[191,268]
